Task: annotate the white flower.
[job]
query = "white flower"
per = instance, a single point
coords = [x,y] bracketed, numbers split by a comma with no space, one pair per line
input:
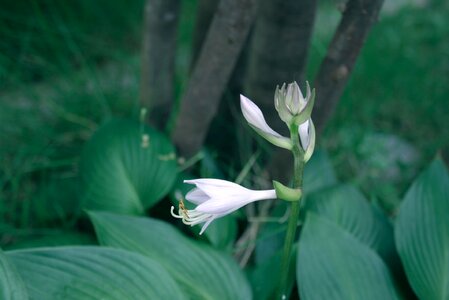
[216,198]
[256,120]
[307,137]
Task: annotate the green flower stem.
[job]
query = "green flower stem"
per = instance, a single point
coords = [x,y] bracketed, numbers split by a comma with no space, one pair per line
[298,155]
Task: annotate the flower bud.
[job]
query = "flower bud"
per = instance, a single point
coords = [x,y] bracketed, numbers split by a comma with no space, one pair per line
[254,117]
[291,105]
[307,137]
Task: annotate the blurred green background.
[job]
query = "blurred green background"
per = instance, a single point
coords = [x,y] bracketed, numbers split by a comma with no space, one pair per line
[67,66]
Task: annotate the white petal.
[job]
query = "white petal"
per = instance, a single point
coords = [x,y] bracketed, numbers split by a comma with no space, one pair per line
[227,204]
[206,225]
[223,205]
[212,182]
[217,187]
[297,98]
[254,116]
[197,196]
[304,134]
[301,96]
[262,195]
[311,145]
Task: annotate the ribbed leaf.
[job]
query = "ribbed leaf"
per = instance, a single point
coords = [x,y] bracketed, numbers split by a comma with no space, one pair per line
[201,271]
[11,284]
[332,264]
[347,207]
[422,233]
[262,280]
[121,173]
[51,240]
[92,273]
[318,173]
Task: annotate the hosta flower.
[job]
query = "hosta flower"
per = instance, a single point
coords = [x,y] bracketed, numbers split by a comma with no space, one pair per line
[256,120]
[307,137]
[291,105]
[216,198]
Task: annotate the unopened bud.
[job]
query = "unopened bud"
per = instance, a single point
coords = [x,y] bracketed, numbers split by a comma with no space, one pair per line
[291,105]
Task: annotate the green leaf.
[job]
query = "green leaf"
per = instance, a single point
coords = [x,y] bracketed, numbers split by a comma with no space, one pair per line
[201,271]
[318,173]
[121,174]
[348,208]
[92,273]
[332,264]
[262,280]
[11,284]
[422,233]
[270,238]
[54,239]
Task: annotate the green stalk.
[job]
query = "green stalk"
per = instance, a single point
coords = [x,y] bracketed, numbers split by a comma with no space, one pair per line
[298,156]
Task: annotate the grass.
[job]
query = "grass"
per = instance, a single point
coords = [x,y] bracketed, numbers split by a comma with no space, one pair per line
[67,67]
[64,69]
[398,89]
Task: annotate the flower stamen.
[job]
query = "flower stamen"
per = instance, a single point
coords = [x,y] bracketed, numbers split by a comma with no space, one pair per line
[183,208]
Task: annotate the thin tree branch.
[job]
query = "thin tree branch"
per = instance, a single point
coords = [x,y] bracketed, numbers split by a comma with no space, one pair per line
[357,20]
[158,59]
[220,51]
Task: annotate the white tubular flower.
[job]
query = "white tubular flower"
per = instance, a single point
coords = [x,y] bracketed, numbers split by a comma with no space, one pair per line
[256,120]
[307,137]
[216,198]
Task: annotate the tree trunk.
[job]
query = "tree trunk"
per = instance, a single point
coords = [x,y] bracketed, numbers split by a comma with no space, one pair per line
[204,15]
[358,18]
[158,59]
[278,52]
[218,55]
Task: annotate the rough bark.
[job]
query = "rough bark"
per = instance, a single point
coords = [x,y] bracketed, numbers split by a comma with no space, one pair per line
[204,15]
[158,59]
[357,20]
[218,55]
[279,51]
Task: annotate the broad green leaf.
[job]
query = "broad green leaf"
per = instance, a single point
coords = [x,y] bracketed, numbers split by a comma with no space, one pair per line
[222,232]
[262,280]
[54,239]
[92,273]
[422,233]
[201,271]
[121,173]
[270,238]
[11,284]
[348,208]
[332,264]
[318,173]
